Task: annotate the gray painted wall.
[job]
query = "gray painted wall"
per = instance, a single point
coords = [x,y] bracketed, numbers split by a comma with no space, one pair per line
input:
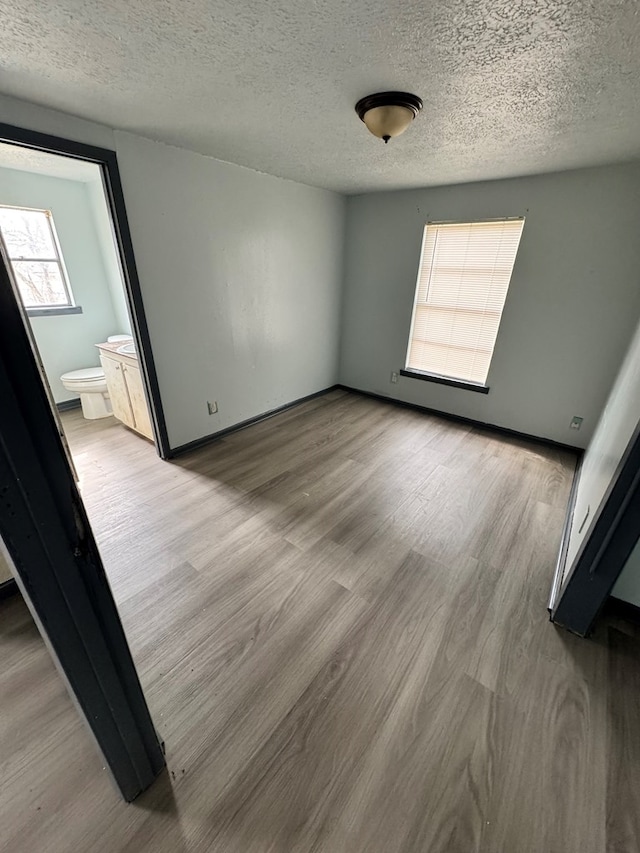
[613,433]
[241,275]
[243,305]
[67,342]
[572,305]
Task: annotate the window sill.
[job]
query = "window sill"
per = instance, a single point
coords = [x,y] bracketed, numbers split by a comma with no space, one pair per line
[445,380]
[54,312]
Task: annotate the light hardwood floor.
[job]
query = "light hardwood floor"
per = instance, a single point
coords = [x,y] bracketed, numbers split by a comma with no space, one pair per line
[338,616]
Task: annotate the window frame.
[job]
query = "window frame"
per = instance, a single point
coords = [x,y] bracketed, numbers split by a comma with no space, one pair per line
[414,373]
[428,376]
[52,310]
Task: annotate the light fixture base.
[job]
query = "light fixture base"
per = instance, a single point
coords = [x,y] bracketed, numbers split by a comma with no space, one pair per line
[389,99]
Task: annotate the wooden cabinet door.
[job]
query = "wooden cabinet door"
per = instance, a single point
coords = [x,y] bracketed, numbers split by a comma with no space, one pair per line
[142,421]
[117,387]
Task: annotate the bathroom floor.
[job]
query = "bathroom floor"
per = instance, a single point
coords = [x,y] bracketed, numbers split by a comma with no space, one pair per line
[339,620]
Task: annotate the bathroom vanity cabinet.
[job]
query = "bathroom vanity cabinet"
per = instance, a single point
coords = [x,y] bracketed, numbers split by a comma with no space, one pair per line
[5,571]
[124,383]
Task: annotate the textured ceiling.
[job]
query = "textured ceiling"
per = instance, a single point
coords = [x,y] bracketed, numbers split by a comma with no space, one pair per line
[510,87]
[53,165]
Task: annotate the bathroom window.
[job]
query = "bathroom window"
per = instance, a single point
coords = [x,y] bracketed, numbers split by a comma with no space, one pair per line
[34,253]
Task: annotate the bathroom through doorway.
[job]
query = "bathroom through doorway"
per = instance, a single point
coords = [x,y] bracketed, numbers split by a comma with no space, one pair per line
[59,239]
[66,237]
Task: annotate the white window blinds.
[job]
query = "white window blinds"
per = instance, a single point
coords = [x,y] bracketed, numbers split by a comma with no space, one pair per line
[464,275]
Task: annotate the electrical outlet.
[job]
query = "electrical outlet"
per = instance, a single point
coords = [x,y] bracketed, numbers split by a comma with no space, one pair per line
[212,407]
[576,422]
[394,376]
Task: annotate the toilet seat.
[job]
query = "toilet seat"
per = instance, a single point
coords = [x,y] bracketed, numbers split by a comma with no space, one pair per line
[85,375]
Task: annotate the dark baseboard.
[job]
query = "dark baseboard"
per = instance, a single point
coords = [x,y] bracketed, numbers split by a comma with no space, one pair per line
[622,609]
[511,433]
[214,436]
[66,405]
[8,588]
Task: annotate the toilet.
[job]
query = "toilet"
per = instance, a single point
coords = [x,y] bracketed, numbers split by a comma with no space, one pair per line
[90,385]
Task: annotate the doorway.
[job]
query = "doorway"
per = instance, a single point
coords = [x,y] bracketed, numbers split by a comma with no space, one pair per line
[49,545]
[66,232]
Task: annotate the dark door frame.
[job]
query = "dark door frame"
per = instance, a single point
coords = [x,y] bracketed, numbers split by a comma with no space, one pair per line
[108,162]
[45,529]
[605,549]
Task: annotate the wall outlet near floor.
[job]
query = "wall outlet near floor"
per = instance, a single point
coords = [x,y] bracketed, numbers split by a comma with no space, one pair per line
[212,407]
[576,422]
[394,376]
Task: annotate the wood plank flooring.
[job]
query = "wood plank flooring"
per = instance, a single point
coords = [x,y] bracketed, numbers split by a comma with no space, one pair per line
[338,617]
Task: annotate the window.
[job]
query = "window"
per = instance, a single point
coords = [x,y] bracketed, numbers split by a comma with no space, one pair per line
[464,275]
[34,254]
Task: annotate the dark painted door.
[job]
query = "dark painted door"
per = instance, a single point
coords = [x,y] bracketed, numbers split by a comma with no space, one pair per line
[57,564]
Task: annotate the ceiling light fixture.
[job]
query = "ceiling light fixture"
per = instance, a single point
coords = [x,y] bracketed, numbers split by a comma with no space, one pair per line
[388,114]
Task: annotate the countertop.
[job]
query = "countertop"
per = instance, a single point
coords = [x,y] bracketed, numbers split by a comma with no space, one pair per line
[113,348]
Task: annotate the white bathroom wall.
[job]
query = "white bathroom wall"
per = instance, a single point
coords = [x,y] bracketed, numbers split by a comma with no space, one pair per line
[111,261]
[66,342]
[570,312]
[241,276]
